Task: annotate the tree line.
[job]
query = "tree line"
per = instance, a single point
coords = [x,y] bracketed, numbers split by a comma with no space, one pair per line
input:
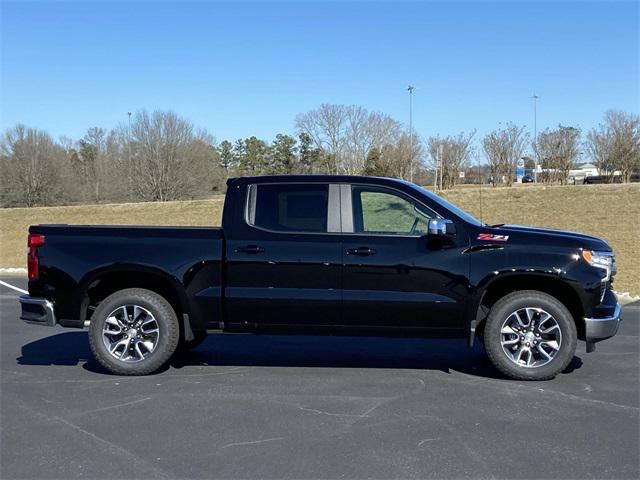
[160,156]
[613,147]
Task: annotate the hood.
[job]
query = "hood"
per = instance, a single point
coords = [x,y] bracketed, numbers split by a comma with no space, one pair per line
[562,236]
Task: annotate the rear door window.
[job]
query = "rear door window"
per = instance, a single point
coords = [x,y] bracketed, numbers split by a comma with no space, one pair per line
[289,207]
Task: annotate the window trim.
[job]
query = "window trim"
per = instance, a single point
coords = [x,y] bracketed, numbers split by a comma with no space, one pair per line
[250,208]
[343,215]
[349,195]
[334,214]
[346,208]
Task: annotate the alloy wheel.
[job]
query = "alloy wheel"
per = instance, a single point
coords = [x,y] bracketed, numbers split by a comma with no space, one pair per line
[530,337]
[130,333]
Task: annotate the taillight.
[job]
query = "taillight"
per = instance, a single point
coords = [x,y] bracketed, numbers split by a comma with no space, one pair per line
[34,240]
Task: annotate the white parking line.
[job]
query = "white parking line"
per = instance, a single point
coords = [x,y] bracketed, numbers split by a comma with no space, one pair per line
[13,287]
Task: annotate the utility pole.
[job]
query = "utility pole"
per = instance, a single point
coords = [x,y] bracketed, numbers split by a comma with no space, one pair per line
[535,136]
[411,88]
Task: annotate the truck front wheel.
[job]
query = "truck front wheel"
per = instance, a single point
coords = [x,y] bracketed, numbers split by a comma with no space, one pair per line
[530,335]
[133,332]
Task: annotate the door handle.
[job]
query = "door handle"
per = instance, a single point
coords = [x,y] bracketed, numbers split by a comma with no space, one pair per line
[361,251]
[253,249]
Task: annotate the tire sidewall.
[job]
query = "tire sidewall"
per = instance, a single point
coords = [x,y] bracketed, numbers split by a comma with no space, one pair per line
[518,300]
[167,325]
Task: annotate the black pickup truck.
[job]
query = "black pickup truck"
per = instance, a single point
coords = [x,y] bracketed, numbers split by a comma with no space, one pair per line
[326,255]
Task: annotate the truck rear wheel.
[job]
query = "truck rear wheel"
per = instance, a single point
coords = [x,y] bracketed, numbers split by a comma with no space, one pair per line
[133,332]
[530,335]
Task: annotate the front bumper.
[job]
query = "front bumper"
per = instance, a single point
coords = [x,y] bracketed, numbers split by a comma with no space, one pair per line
[597,329]
[37,311]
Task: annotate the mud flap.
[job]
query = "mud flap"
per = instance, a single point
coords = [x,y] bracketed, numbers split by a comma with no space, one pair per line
[188,333]
[472,332]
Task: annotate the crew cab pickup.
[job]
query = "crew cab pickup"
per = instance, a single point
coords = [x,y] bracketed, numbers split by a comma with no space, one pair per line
[326,255]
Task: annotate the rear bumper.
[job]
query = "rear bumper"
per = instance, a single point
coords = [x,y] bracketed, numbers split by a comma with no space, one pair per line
[597,329]
[37,311]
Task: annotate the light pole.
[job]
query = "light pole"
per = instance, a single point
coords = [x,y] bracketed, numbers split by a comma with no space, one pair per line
[535,136]
[411,88]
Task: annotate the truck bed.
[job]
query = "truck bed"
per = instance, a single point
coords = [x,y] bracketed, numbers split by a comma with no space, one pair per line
[73,255]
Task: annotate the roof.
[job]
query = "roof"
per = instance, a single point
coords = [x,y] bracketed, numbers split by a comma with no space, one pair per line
[585,166]
[431,200]
[314,178]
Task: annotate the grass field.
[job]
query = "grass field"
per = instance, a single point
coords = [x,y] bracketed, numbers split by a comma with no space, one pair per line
[608,211]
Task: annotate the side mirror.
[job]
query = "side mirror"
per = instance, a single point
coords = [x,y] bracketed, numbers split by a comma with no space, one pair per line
[438,227]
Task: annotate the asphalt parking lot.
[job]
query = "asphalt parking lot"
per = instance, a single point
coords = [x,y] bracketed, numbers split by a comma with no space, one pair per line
[305,407]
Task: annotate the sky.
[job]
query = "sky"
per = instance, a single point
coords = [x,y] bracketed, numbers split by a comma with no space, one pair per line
[240,69]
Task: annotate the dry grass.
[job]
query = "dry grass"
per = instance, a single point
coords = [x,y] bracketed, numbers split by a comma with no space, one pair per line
[14,222]
[611,212]
[608,211]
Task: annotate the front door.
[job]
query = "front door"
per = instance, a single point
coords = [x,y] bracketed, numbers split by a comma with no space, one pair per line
[284,257]
[394,276]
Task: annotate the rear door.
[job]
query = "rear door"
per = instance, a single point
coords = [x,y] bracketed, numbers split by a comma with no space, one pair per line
[284,256]
[394,276]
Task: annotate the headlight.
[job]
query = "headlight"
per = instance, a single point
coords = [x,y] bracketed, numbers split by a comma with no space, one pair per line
[603,260]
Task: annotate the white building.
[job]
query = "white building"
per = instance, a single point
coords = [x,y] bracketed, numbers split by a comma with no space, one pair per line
[583,170]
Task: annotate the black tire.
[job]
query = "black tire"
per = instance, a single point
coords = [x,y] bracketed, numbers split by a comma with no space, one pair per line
[167,324]
[513,302]
[186,345]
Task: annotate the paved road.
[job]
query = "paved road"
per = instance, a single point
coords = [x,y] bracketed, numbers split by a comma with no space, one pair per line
[287,407]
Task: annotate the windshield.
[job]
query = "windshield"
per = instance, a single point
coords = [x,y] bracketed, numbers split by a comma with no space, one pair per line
[448,205]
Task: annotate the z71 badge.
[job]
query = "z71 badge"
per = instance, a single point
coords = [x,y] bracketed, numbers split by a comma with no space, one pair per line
[493,238]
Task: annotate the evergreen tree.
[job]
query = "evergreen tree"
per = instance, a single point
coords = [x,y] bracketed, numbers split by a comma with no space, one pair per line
[239,154]
[256,156]
[308,156]
[375,165]
[283,155]
[227,157]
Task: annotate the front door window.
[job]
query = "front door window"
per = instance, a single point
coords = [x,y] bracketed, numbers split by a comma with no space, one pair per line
[382,211]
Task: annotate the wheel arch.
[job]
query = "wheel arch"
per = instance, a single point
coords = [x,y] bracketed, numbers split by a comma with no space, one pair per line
[506,283]
[101,283]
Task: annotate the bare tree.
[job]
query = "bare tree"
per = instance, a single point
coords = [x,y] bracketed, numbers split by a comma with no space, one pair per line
[558,151]
[346,134]
[327,127]
[367,130]
[88,159]
[393,159]
[170,160]
[116,167]
[357,143]
[31,163]
[451,154]
[625,142]
[599,148]
[95,138]
[614,147]
[503,148]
